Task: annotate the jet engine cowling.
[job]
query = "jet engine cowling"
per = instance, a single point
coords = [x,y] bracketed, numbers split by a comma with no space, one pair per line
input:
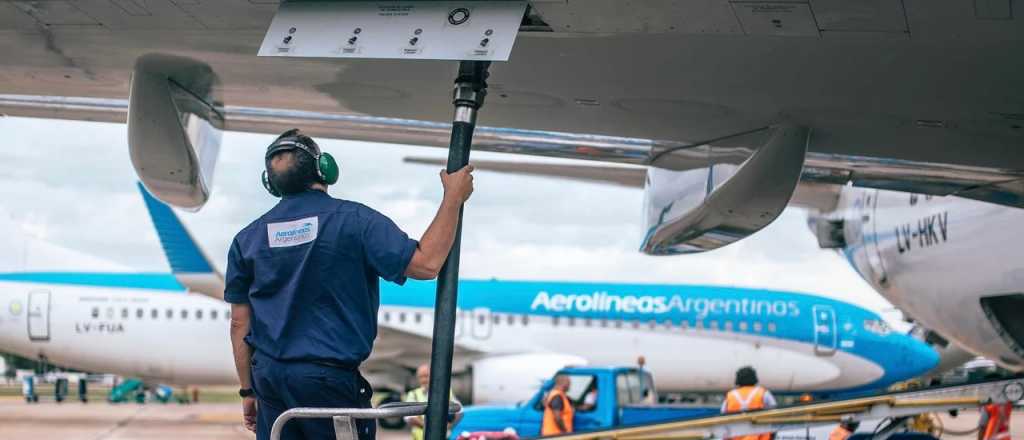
[515,378]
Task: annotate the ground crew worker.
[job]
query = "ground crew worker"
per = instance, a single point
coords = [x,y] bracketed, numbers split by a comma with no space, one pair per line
[558,410]
[303,282]
[419,395]
[846,428]
[995,421]
[748,396]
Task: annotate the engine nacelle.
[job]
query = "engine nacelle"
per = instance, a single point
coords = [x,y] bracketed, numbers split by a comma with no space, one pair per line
[175,120]
[695,210]
[516,378]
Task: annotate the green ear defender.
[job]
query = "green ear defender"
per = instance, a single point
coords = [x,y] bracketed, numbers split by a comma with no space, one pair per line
[269,186]
[327,170]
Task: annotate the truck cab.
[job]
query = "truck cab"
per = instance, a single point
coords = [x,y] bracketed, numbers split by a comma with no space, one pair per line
[603,397]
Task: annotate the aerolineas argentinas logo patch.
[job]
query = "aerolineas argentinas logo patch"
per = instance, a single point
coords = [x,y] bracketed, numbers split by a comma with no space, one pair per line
[292,233]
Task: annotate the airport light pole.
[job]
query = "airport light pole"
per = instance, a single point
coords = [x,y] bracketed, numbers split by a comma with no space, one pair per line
[468,97]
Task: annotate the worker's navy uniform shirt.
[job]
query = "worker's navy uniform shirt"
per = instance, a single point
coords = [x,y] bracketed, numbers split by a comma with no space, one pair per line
[309,269]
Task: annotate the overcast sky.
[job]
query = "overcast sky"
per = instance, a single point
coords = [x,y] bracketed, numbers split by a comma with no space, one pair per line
[71,184]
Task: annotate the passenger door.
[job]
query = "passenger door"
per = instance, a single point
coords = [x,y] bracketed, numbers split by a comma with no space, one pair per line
[826,339]
[39,315]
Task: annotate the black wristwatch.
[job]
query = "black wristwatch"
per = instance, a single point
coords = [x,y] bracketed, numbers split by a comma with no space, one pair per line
[245,392]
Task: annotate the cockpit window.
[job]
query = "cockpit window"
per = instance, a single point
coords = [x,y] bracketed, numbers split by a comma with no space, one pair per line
[877,326]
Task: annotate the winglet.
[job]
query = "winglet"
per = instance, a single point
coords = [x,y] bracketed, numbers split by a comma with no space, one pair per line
[190,266]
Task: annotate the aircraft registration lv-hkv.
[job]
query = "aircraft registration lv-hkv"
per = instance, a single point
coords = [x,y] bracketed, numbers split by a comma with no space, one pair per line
[511,334]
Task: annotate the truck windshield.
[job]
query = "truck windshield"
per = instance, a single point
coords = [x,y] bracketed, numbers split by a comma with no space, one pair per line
[635,387]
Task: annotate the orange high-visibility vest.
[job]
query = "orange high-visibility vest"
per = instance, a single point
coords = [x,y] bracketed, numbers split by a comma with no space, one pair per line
[549,427]
[746,399]
[839,433]
[998,426]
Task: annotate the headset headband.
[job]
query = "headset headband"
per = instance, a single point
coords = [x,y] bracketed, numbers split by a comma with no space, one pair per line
[290,140]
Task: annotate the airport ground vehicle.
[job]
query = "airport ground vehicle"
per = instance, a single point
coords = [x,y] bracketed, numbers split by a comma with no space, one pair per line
[624,396]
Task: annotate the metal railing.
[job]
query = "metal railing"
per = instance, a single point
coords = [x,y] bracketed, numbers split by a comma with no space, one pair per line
[344,418]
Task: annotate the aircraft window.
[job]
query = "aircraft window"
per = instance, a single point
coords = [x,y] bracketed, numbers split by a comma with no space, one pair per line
[184,314]
[139,313]
[213,314]
[554,321]
[154,314]
[604,323]
[758,327]
[401,317]
[525,320]
[387,317]
[481,319]
[684,324]
[124,313]
[668,324]
[771,327]
[636,324]
[95,312]
[714,324]
[496,319]
[572,321]
[652,323]
[618,323]
[510,319]
[728,326]
[700,324]
[418,317]
[587,322]
[227,314]
[743,326]
[199,314]
[170,313]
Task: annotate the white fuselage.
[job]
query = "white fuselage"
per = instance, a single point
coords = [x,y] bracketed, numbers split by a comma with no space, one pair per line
[182,338]
[936,258]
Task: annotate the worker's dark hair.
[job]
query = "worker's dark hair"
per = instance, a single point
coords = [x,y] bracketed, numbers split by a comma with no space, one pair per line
[746,377]
[296,176]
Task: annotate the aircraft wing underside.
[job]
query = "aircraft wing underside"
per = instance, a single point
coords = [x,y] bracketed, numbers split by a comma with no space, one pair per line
[395,347]
[996,185]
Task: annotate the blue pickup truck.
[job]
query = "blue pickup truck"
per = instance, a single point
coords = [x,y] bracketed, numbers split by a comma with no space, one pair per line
[604,397]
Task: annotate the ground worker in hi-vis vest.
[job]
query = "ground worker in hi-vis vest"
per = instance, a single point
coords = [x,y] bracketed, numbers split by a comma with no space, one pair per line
[748,396]
[995,421]
[558,410]
[419,395]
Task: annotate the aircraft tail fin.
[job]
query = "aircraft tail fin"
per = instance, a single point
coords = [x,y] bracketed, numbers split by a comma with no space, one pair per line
[189,264]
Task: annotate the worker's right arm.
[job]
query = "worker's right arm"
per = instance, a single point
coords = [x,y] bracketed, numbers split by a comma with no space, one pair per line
[236,291]
[436,242]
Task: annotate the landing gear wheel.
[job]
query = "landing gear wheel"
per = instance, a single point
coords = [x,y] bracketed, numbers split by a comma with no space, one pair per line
[392,422]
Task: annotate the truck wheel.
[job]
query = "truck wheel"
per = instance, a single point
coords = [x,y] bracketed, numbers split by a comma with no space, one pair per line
[392,422]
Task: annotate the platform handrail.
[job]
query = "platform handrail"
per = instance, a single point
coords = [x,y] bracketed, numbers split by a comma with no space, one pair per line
[343,416]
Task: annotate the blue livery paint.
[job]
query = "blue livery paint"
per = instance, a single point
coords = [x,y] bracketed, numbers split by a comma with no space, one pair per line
[147,281]
[183,254]
[850,329]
